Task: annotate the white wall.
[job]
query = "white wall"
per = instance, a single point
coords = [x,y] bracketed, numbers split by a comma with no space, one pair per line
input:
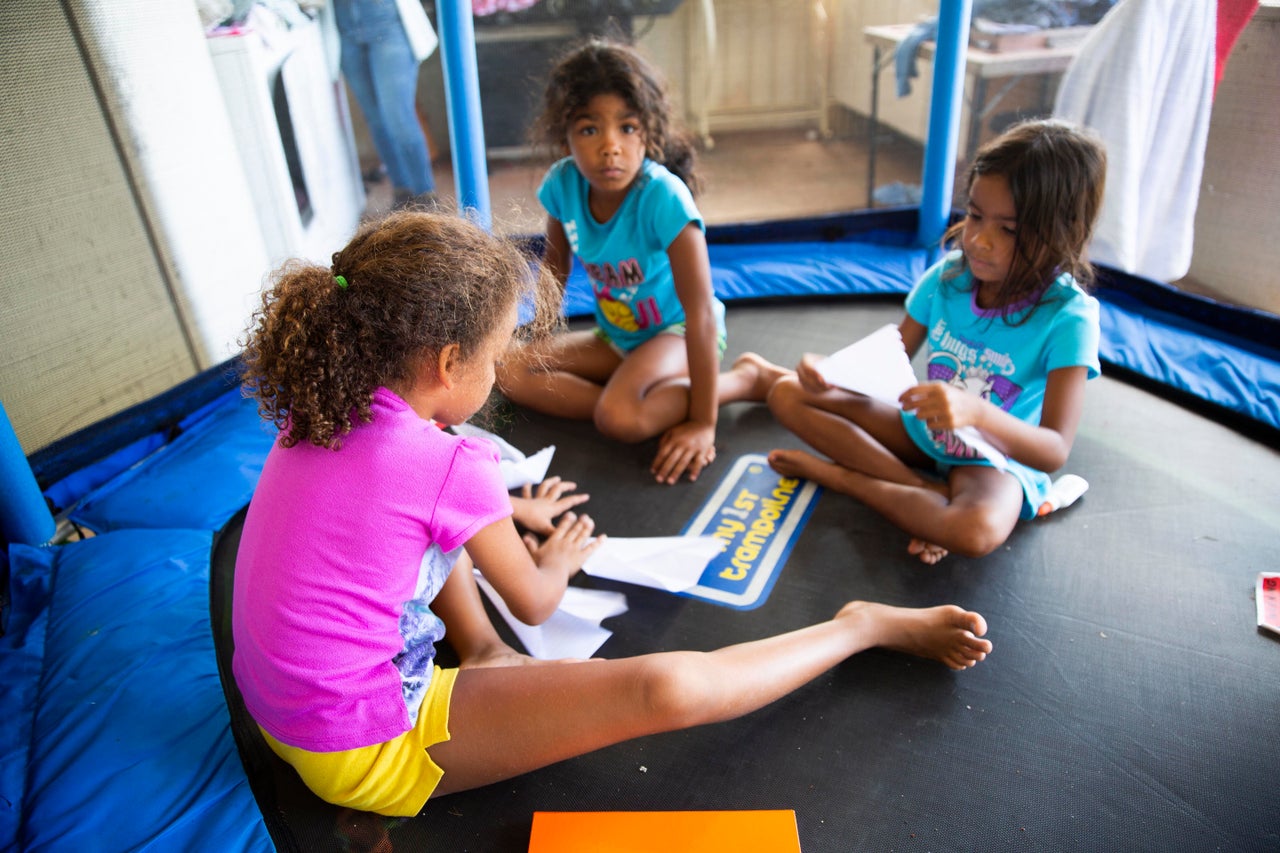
[133,252]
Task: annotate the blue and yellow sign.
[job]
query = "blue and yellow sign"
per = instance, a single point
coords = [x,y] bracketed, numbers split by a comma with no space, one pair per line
[757,514]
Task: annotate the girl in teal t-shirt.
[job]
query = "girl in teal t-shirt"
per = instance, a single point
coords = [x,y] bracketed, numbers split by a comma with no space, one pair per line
[622,201]
[1012,340]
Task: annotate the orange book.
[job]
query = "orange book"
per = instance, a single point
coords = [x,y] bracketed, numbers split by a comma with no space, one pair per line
[665,832]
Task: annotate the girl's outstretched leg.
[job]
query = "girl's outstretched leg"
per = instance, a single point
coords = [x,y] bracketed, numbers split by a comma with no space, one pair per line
[945,633]
[509,721]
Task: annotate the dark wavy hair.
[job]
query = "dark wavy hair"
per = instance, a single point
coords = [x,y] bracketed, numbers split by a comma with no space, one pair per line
[415,282]
[1056,173]
[605,67]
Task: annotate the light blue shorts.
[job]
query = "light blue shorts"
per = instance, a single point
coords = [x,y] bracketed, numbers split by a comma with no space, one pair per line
[722,338]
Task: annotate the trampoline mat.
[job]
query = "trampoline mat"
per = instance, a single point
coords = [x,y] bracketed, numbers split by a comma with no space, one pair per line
[1130,700]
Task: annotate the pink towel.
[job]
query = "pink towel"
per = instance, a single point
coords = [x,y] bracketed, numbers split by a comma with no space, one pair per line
[480,8]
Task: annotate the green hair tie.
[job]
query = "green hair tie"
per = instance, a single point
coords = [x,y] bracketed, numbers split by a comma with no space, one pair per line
[341,280]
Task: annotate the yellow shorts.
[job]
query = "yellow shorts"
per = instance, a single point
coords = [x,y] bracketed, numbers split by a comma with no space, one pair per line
[393,778]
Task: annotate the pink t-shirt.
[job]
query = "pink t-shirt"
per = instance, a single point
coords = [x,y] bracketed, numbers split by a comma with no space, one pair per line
[342,553]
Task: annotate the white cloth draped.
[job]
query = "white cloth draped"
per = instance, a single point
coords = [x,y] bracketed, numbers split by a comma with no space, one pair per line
[1143,79]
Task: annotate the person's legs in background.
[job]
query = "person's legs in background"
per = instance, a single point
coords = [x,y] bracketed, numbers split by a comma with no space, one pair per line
[382,73]
[395,88]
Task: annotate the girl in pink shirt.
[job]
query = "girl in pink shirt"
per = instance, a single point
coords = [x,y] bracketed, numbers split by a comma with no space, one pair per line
[345,578]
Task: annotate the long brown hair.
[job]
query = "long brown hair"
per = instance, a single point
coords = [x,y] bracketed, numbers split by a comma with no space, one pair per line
[406,286]
[604,67]
[1056,172]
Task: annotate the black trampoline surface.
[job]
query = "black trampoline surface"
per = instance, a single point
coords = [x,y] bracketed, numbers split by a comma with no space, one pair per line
[1130,702]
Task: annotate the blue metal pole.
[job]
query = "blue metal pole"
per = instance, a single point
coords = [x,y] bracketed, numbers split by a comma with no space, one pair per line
[24,516]
[462,97]
[938,181]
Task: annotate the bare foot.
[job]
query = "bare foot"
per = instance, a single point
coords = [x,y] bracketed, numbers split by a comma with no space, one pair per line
[945,633]
[802,463]
[824,472]
[928,553]
[750,379]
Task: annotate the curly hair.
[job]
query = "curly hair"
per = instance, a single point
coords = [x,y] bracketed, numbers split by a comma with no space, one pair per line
[1056,172]
[604,67]
[404,288]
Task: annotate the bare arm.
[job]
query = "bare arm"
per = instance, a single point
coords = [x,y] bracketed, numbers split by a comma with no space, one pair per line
[691,445]
[913,334]
[531,577]
[1044,446]
[691,269]
[559,257]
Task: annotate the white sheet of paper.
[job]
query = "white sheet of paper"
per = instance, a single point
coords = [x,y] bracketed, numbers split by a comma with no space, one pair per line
[877,366]
[974,439]
[573,631]
[529,471]
[673,563]
[505,449]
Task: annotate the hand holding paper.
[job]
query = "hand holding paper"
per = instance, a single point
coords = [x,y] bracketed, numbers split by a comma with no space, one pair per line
[942,405]
[673,563]
[877,366]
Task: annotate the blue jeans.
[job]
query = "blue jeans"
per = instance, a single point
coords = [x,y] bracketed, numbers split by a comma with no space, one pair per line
[379,66]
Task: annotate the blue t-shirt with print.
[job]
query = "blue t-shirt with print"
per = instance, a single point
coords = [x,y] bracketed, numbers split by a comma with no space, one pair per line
[626,258]
[1006,361]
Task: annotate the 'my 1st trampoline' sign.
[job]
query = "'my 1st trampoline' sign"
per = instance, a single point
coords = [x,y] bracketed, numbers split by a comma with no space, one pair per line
[757,514]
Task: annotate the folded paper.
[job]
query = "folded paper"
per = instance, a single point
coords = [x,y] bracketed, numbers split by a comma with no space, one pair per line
[573,631]
[673,563]
[878,366]
[529,471]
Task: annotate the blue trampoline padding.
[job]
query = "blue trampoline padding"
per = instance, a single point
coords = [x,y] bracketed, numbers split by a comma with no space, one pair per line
[1186,356]
[88,448]
[131,746]
[743,271]
[21,655]
[196,481]
[746,271]
[76,485]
